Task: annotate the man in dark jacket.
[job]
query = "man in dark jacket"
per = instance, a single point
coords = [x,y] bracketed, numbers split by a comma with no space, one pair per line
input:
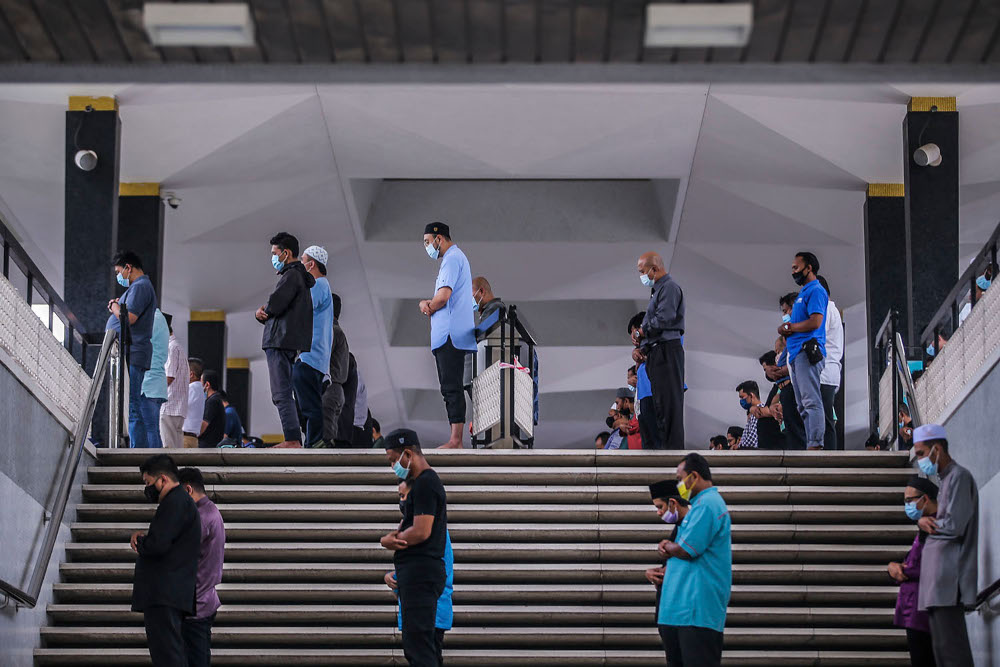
[287,320]
[163,587]
[334,394]
[345,423]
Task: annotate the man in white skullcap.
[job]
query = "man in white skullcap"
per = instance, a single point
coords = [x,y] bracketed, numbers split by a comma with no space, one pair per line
[311,366]
[948,569]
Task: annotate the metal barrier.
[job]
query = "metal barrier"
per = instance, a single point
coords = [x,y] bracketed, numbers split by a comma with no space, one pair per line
[893,385]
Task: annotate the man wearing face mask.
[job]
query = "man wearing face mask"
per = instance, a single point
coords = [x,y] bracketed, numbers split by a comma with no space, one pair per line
[453,334]
[749,395]
[805,337]
[671,509]
[140,301]
[418,547]
[659,337]
[920,499]
[288,326]
[699,573]
[213,422]
[163,586]
[949,570]
[312,365]
[795,429]
[623,419]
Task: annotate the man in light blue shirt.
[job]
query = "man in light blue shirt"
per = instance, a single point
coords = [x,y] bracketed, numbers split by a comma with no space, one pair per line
[313,365]
[452,322]
[807,323]
[154,383]
[699,571]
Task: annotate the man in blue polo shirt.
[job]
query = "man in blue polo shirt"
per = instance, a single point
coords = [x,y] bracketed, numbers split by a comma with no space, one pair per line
[140,300]
[452,323]
[807,323]
[699,572]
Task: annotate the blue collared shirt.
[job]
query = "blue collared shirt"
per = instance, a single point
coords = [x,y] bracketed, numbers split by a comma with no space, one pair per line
[318,356]
[643,387]
[457,319]
[140,297]
[696,592]
[812,299]
[154,383]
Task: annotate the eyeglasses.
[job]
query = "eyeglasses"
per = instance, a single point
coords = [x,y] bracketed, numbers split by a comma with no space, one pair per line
[912,499]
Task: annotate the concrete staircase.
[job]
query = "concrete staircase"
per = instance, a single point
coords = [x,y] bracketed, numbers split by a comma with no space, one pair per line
[550,549]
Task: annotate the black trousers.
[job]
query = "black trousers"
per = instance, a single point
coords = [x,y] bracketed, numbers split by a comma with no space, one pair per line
[795,429]
[362,435]
[163,636]
[648,429]
[829,394]
[308,383]
[665,368]
[197,635]
[422,645]
[439,640]
[950,637]
[921,648]
[333,404]
[688,646]
[451,372]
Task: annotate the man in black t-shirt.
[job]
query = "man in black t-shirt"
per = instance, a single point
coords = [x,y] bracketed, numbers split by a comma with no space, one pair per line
[213,423]
[418,547]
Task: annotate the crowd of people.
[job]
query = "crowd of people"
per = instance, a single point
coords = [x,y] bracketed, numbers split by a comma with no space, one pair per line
[804,369]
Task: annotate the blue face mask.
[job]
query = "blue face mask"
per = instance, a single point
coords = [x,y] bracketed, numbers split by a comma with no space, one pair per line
[912,511]
[744,404]
[432,252]
[786,319]
[646,280]
[277,263]
[927,466]
[930,351]
[400,471]
[983,283]
[123,281]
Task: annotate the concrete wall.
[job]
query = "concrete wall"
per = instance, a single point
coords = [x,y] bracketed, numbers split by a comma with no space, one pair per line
[972,435]
[34,447]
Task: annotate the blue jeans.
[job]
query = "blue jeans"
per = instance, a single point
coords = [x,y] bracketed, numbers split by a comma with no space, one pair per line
[150,408]
[136,424]
[805,383]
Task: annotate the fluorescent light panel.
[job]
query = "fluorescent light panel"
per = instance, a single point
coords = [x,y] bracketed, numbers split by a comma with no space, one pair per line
[198,24]
[698,25]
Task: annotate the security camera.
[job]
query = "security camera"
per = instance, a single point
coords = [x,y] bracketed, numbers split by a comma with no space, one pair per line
[173,201]
[928,155]
[85,160]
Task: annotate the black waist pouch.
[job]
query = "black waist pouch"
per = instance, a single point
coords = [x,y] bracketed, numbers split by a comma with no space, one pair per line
[813,351]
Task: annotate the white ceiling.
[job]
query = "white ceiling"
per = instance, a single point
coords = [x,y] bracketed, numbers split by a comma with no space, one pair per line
[764,171]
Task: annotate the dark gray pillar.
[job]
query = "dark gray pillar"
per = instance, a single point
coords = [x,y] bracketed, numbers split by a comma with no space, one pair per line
[931,210]
[207,339]
[91,221]
[885,267]
[140,228]
[238,388]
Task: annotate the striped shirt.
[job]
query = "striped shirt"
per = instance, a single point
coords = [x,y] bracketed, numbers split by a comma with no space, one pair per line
[176,368]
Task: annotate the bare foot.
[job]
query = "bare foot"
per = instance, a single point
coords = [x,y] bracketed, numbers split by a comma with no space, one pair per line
[451,445]
[289,444]
[455,441]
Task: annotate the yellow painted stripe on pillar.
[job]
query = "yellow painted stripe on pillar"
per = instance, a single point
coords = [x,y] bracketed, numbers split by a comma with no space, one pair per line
[272,438]
[925,104]
[81,102]
[236,362]
[208,316]
[885,190]
[138,189]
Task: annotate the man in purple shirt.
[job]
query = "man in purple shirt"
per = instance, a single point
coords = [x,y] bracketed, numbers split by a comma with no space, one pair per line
[920,499]
[197,629]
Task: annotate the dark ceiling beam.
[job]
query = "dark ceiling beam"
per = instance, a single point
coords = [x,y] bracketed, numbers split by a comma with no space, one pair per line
[485,34]
[975,39]
[448,17]
[930,25]
[309,31]
[343,25]
[274,32]
[898,18]
[876,19]
[31,32]
[114,29]
[520,26]
[947,24]
[379,20]
[10,48]
[413,23]
[802,26]
[590,29]
[62,29]
[992,54]
[834,39]
[555,28]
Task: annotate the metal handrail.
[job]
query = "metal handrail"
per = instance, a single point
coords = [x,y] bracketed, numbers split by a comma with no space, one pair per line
[890,351]
[29,598]
[987,594]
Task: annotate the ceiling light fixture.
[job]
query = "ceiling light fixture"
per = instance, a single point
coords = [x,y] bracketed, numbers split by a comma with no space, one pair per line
[698,25]
[198,24]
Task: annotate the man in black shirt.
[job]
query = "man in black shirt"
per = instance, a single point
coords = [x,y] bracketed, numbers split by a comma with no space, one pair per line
[418,546]
[166,568]
[213,423]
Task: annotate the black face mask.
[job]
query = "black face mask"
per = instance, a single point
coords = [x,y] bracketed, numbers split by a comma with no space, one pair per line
[402,507]
[626,412]
[152,495]
[610,421]
[799,277]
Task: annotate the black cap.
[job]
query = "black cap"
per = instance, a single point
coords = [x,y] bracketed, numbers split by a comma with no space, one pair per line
[924,485]
[401,438]
[437,228]
[665,490]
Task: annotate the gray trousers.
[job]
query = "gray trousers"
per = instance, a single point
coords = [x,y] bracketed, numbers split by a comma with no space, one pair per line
[279,371]
[829,392]
[950,637]
[805,383]
[333,404]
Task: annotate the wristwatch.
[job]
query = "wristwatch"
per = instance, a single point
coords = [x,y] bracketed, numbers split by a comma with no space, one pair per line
[787,326]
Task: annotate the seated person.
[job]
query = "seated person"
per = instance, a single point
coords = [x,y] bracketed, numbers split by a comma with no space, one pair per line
[733,437]
[601,441]
[718,442]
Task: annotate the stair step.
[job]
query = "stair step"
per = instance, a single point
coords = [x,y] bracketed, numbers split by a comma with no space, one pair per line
[532,475]
[582,573]
[650,534]
[101,657]
[464,513]
[558,495]
[502,553]
[534,615]
[663,460]
[621,594]
[500,637]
